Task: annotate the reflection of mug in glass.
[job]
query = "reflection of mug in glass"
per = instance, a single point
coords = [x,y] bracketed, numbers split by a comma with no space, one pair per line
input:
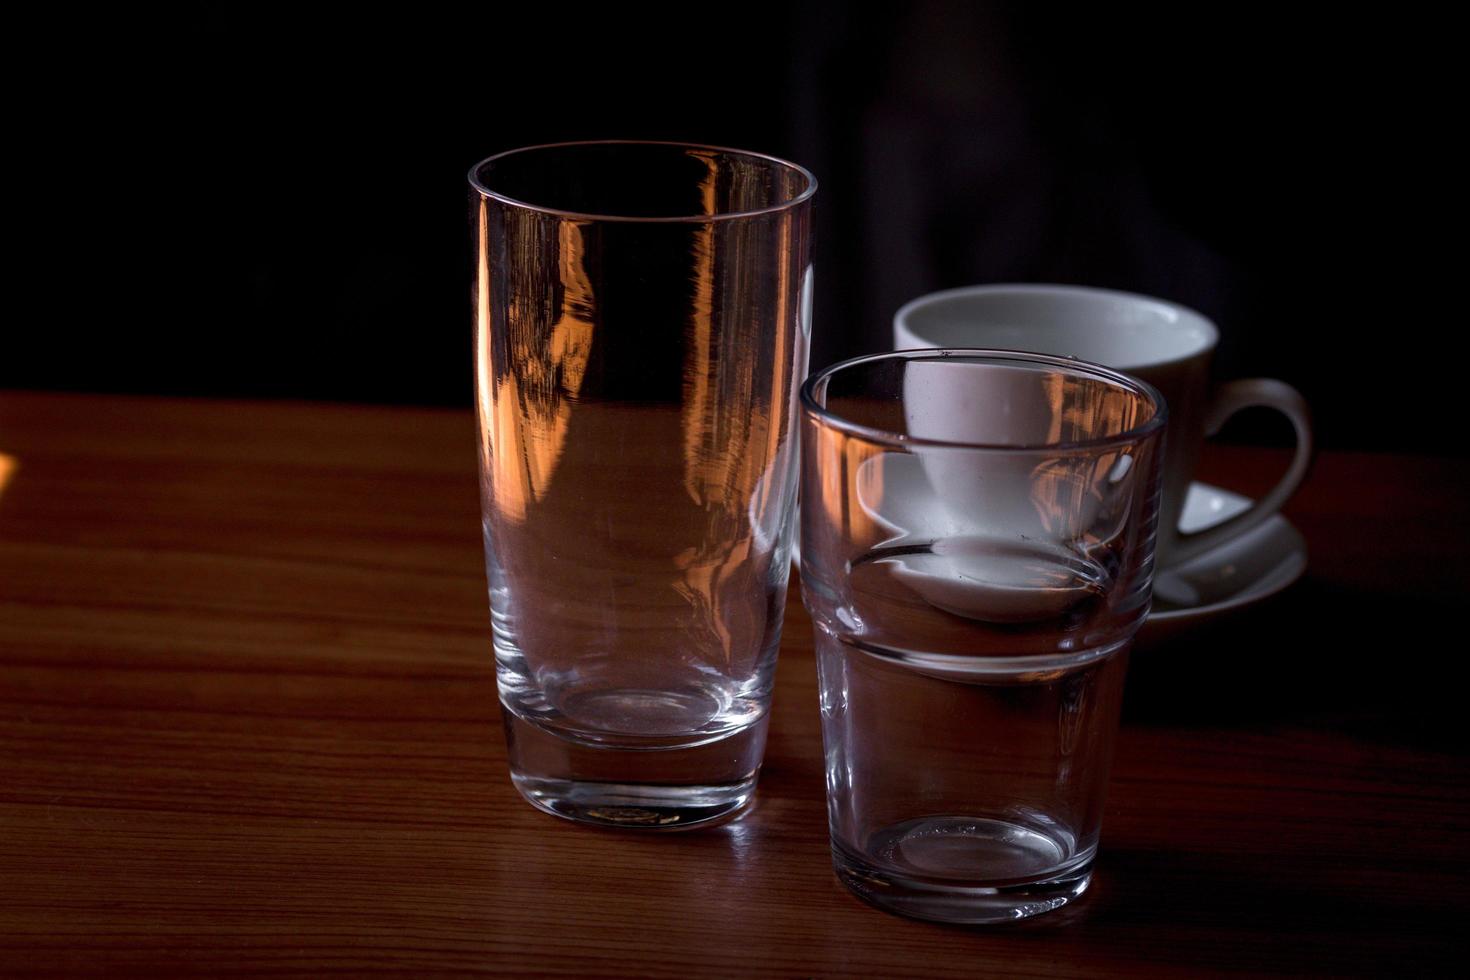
[1026,508]
[1167,345]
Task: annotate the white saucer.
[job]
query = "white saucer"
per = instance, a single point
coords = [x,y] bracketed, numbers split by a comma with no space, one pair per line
[1239,573]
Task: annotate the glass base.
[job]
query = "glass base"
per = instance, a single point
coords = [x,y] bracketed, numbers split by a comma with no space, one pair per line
[946,897]
[664,788]
[637,806]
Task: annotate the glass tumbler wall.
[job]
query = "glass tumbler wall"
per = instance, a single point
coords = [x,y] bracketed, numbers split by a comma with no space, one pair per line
[977,551]
[642,315]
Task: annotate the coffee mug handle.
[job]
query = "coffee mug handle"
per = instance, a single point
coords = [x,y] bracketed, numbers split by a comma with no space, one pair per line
[1232,397]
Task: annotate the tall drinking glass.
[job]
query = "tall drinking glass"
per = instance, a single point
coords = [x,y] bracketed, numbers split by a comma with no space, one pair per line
[642,316]
[977,548]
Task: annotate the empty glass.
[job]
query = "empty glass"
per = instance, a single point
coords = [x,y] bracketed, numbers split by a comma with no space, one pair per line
[642,314]
[977,548]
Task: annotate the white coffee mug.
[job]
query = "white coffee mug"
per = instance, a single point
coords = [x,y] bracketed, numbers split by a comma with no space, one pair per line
[1167,345]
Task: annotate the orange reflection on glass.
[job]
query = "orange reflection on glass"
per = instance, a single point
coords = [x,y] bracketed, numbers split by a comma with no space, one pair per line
[8,466]
[1066,491]
[526,409]
[732,439]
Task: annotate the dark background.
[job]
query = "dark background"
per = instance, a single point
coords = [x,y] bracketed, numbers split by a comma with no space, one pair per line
[270,205]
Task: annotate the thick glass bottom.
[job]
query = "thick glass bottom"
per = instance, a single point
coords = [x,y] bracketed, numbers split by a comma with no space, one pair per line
[662,787]
[930,867]
[637,806]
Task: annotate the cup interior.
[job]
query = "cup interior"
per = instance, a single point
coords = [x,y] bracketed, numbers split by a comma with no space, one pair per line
[1121,330]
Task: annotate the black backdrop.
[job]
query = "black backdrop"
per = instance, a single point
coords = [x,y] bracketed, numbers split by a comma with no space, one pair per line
[251,204]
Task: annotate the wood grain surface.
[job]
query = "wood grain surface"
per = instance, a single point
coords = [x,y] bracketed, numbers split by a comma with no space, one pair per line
[248,723]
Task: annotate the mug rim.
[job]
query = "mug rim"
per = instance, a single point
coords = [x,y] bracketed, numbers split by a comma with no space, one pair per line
[1042,290]
[823,415]
[482,187]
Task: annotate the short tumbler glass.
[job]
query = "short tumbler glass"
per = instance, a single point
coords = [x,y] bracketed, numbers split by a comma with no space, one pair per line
[977,552]
[642,315]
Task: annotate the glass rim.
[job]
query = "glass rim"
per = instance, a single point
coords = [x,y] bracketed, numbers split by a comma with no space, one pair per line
[824,415]
[481,186]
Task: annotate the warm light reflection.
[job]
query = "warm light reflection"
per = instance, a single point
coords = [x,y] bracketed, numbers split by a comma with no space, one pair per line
[699,365]
[8,466]
[484,373]
[732,442]
[1053,389]
[850,485]
[526,436]
[1070,492]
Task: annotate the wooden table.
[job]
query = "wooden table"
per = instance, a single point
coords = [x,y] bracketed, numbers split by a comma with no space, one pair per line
[248,722]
